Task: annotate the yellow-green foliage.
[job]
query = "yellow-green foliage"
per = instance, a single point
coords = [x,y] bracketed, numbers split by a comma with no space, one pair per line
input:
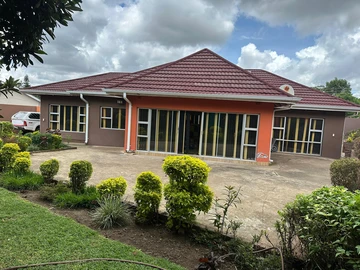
[49,169]
[1,143]
[22,154]
[21,165]
[6,129]
[7,154]
[23,142]
[112,186]
[187,191]
[80,173]
[148,193]
[56,140]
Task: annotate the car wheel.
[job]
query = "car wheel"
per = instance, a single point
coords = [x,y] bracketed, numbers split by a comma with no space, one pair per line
[37,128]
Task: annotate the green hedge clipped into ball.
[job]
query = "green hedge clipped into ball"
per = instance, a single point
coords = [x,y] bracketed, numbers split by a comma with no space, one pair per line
[80,173]
[23,155]
[6,129]
[24,142]
[21,165]
[7,156]
[148,193]
[187,191]
[346,172]
[322,228]
[112,186]
[49,169]
[56,141]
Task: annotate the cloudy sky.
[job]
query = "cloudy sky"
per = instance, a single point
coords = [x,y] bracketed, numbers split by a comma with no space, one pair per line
[308,41]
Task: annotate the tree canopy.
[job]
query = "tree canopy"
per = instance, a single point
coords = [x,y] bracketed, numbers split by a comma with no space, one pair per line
[337,87]
[26,25]
[26,82]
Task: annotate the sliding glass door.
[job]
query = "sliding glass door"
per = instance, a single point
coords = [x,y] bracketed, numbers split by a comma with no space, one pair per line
[208,134]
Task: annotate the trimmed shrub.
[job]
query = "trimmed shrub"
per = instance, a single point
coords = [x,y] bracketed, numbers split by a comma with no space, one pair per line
[49,192]
[23,155]
[187,191]
[324,227]
[28,181]
[21,165]
[23,142]
[49,169]
[87,199]
[6,129]
[1,143]
[356,147]
[33,147]
[80,173]
[7,156]
[42,140]
[112,186]
[56,141]
[346,172]
[111,211]
[148,193]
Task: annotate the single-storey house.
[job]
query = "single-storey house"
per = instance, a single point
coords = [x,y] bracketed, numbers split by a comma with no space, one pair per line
[17,102]
[201,104]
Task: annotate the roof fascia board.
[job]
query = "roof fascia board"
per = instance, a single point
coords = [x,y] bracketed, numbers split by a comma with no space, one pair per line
[45,92]
[271,99]
[33,97]
[325,108]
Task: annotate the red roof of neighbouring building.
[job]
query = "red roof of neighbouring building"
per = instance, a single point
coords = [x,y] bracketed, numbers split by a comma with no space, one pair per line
[308,95]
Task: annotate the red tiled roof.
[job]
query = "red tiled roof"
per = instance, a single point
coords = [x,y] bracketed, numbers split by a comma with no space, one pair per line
[203,72]
[308,95]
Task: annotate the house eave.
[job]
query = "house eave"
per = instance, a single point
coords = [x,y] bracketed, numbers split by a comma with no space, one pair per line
[269,99]
[325,108]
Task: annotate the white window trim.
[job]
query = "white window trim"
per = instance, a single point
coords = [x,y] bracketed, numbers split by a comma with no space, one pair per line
[58,113]
[110,118]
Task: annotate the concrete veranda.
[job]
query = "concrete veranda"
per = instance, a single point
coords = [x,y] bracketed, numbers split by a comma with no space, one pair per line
[264,189]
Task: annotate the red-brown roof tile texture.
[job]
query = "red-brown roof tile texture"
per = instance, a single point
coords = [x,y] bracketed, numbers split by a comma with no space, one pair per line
[308,95]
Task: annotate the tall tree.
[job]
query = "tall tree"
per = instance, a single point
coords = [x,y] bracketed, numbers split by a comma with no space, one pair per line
[26,82]
[26,25]
[337,86]
[9,86]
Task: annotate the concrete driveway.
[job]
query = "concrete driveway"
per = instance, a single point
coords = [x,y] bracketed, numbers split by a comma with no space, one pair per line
[264,189]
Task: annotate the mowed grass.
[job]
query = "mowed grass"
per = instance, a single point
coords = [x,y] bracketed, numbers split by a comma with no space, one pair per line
[31,234]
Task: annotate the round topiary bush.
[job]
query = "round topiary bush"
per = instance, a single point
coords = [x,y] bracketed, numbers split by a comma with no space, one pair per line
[22,154]
[56,141]
[21,165]
[187,191]
[24,142]
[7,155]
[49,169]
[80,173]
[112,186]
[346,172]
[148,193]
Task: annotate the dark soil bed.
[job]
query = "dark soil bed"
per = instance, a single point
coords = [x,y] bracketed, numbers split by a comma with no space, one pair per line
[154,240]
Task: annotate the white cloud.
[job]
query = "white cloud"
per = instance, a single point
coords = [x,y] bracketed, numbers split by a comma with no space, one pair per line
[307,16]
[128,35]
[334,55]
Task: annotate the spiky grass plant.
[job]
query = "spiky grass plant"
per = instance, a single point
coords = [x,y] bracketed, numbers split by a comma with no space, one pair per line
[111,212]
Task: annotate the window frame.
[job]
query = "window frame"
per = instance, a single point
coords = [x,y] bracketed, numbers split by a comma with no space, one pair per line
[111,117]
[58,113]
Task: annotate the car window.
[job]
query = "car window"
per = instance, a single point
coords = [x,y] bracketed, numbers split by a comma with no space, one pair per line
[20,115]
[34,116]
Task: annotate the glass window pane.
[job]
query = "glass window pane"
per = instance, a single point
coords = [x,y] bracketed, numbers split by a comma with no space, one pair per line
[74,118]
[54,108]
[314,148]
[315,137]
[249,152]
[250,137]
[53,126]
[251,121]
[230,136]
[278,133]
[82,110]
[54,117]
[142,129]
[162,131]
[82,127]
[289,146]
[143,115]
[116,118]
[317,124]
[239,120]
[220,134]
[67,117]
[142,143]
[279,121]
[123,119]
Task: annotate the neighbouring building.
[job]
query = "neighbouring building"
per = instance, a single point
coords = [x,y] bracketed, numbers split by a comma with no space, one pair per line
[201,104]
[17,102]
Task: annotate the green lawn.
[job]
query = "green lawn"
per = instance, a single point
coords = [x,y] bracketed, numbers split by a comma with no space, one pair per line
[32,234]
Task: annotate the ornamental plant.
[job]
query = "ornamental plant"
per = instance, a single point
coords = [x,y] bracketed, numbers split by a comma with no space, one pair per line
[23,142]
[80,173]
[49,169]
[112,186]
[148,193]
[21,165]
[187,191]
[1,143]
[322,228]
[6,129]
[7,154]
[346,172]
[23,155]
[56,141]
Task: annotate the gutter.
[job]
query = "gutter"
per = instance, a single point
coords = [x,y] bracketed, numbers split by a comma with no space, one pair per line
[282,108]
[326,108]
[87,119]
[129,122]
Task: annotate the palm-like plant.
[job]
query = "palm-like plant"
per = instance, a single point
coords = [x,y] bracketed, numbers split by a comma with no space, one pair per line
[9,86]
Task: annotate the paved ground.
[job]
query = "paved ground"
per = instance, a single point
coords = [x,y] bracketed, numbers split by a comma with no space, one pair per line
[265,189]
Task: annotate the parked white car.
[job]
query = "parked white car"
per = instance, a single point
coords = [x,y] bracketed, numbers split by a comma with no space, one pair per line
[26,121]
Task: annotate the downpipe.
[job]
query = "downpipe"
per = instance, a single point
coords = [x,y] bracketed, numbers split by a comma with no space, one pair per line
[87,119]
